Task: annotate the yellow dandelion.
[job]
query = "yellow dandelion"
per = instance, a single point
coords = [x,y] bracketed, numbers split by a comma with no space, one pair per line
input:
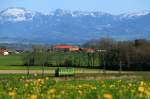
[80,92]
[49,97]
[26,85]
[12,94]
[141,83]
[147,93]
[94,88]
[111,86]
[38,80]
[141,89]
[80,86]
[130,84]
[107,96]
[33,97]
[51,91]
[47,78]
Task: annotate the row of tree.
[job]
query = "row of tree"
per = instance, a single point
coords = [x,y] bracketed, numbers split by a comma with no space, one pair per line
[40,56]
[109,54]
[126,55]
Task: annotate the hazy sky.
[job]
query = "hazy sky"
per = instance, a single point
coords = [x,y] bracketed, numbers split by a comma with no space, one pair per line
[111,6]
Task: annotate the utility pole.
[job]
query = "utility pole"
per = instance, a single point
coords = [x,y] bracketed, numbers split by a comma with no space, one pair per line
[28,63]
[88,59]
[104,63]
[120,66]
[28,67]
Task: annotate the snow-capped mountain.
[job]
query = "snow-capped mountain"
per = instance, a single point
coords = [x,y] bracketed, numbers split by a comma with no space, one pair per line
[16,14]
[61,26]
[135,14]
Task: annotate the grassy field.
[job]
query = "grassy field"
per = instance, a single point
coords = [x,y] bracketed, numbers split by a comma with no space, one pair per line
[21,76]
[22,68]
[54,58]
[11,60]
[47,88]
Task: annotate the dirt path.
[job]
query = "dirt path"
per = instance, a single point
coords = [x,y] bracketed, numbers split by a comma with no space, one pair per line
[24,71]
[80,71]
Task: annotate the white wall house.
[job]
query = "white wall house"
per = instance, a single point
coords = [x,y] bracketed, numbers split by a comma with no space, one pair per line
[4,52]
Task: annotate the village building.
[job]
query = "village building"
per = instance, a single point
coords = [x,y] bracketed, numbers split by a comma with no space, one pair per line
[63,47]
[4,51]
[88,50]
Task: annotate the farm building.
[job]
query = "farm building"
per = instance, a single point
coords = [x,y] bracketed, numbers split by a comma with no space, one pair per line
[63,47]
[4,52]
[88,50]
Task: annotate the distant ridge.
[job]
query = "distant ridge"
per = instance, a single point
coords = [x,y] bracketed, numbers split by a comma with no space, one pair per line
[20,25]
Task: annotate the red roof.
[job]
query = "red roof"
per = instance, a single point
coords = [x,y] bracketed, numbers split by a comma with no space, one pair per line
[63,46]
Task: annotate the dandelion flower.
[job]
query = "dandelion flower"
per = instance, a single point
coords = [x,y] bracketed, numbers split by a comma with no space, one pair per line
[33,97]
[51,91]
[107,96]
[141,89]
[46,78]
[142,83]
[147,93]
[12,94]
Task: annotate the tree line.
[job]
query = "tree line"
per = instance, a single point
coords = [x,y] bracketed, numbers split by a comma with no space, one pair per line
[109,54]
[124,55]
[41,56]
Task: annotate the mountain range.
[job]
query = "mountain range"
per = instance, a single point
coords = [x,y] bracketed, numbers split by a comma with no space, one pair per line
[19,25]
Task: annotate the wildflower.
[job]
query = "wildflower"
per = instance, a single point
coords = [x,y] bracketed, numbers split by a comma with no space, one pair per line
[51,91]
[147,93]
[33,97]
[130,84]
[38,80]
[111,86]
[80,92]
[141,89]
[12,94]
[46,78]
[80,86]
[141,83]
[49,97]
[35,74]
[26,85]
[94,88]
[107,96]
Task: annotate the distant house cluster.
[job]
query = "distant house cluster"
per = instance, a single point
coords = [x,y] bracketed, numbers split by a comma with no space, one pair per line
[59,47]
[4,51]
[71,48]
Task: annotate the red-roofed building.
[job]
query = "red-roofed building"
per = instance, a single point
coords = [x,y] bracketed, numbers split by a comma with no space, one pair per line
[63,47]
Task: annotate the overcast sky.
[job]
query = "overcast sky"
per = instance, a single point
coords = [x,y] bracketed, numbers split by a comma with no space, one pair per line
[110,6]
